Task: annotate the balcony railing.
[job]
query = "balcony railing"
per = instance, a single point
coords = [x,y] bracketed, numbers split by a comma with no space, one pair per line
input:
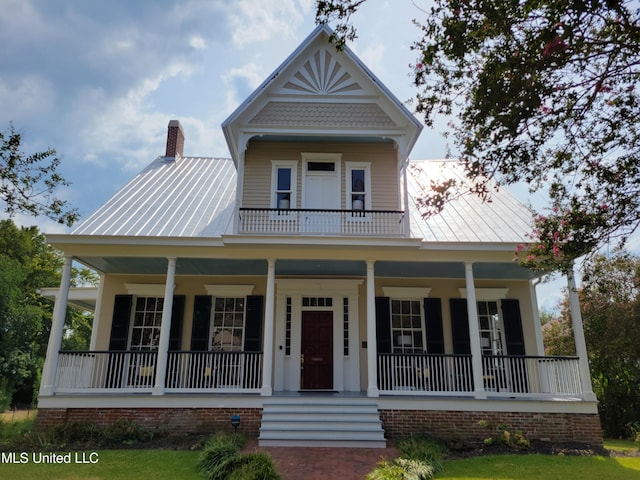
[133,371]
[508,375]
[273,221]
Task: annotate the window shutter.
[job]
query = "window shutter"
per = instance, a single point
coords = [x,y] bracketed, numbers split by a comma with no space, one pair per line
[460,326]
[201,323]
[120,323]
[433,322]
[177,314]
[383,324]
[513,327]
[253,323]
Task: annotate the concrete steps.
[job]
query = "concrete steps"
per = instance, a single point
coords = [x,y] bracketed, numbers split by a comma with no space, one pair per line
[321,422]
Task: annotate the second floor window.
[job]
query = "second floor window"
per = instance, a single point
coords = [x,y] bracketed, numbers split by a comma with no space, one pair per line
[358,186]
[283,184]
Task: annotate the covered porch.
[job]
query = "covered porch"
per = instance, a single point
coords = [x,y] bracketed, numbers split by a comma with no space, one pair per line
[359,362]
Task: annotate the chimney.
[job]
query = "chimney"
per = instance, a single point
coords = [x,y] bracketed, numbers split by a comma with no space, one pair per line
[175,139]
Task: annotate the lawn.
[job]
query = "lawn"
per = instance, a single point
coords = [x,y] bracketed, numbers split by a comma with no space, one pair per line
[112,465]
[549,467]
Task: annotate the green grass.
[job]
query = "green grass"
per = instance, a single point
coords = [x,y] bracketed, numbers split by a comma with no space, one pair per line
[114,465]
[625,446]
[535,467]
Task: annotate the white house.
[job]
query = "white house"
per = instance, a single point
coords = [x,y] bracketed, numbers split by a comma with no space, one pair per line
[297,284]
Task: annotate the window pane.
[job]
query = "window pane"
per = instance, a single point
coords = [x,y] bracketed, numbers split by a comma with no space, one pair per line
[357,180]
[284,179]
[321,167]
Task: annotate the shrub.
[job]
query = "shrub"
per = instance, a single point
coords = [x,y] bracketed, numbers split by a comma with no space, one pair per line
[422,448]
[421,459]
[255,466]
[221,456]
[504,436]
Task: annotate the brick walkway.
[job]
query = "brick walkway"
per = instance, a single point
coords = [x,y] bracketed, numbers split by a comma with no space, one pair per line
[302,463]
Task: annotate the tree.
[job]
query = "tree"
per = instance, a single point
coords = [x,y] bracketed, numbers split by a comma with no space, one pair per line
[611,315]
[543,92]
[28,182]
[27,264]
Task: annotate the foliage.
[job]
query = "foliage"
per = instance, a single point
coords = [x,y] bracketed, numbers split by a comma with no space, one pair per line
[27,264]
[221,459]
[610,305]
[543,92]
[502,435]
[255,466]
[421,459]
[28,182]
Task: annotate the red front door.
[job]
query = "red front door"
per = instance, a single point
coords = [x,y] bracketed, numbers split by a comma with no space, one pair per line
[317,351]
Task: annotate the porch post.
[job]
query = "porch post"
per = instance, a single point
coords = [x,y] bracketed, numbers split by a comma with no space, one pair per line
[267,357]
[372,351]
[165,329]
[474,333]
[47,385]
[537,326]
[96,314]
[578,334]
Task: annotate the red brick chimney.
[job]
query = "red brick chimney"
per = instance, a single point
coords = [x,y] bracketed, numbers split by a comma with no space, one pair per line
[175,139]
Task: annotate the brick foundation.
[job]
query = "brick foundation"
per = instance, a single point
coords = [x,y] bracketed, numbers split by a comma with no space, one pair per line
[175,420]
[554,427]
[446,424]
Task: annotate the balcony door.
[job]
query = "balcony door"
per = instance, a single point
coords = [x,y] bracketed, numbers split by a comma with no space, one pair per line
[321,192]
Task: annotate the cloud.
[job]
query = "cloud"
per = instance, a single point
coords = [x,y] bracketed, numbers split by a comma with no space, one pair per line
[254,21]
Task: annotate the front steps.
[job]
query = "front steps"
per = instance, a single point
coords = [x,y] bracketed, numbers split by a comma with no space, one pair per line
[321,422]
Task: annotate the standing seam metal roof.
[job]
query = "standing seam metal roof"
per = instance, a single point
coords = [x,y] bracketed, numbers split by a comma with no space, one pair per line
[195,197]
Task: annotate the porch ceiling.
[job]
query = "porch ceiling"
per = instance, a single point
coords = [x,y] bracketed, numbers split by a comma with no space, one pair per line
[284,267]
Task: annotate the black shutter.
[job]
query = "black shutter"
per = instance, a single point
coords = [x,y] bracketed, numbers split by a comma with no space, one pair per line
[177,314]
[201,322]
[513,327]
[120,323]
[433,322]
[460,326]
[383,324]
[253,323]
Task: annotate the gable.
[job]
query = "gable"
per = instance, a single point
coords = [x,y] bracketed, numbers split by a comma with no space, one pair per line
[321,92]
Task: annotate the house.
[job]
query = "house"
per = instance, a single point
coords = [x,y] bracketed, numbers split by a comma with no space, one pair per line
[297,285]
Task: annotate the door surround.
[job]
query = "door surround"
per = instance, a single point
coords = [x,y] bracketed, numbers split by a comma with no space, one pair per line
[346,368]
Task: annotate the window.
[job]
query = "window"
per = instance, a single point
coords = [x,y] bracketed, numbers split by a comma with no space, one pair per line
[284,177]
[489,326]
[358,187]
[407,332]
[147,319]
[227,324]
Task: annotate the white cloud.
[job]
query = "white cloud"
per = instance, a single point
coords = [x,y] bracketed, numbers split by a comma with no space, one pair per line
[255,21]
[197,42]
[25,97]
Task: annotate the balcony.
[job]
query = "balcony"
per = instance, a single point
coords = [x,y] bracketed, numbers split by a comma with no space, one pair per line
[362,223]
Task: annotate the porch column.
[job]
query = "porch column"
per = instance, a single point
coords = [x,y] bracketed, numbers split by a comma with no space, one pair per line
[537,326]
[165,329]
[96,314]
[474,333]
[578,334]
[372,350]
[267,357]
[47,385]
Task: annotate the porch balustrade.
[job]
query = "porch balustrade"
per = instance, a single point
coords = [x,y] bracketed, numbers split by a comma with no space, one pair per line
[273,221]
[134,371]
[502,375]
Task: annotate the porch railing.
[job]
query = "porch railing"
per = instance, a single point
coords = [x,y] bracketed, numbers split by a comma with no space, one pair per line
[404,372]
[134,371]
[228,371]
[509,375]
[321,222]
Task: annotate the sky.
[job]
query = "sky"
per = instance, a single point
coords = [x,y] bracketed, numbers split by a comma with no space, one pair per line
[99,81]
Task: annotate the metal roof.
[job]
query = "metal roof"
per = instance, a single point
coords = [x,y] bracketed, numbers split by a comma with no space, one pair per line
[186,197]
[467,218]
[195,197]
